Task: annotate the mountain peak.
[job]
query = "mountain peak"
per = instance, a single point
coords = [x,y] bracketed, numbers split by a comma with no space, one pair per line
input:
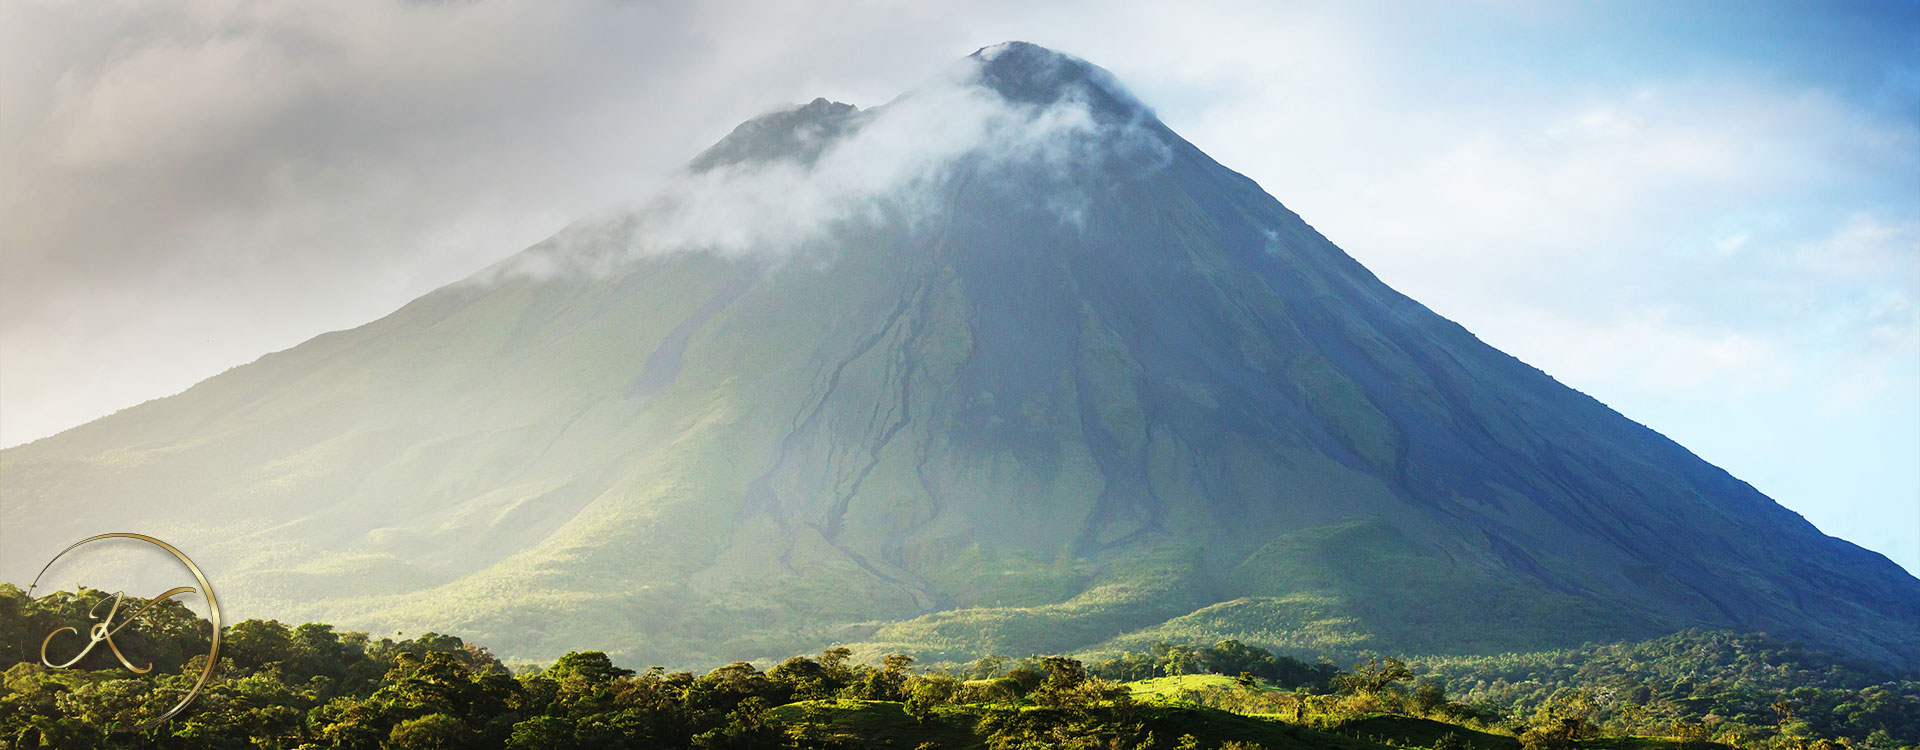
[798,133]
[1029,73]
[1043,402]
[1019,72]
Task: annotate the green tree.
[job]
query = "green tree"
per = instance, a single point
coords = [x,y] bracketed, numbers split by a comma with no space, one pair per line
[1561,722]
[1375,675]
[431,732]
[918,706]
[590,668]
[543,733]
[1062,684]
[890,682]
[257,644]
[746,728]
[1429,696]
[804,677]
[834,661]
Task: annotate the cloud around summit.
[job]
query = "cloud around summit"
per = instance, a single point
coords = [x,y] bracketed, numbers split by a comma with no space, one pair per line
[894,162]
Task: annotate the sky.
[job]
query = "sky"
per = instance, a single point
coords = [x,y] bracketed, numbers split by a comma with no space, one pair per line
[1706,215]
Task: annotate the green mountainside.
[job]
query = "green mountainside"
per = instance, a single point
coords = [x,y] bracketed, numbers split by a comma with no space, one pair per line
[1079,393]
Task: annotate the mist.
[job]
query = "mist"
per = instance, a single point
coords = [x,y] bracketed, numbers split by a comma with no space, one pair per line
[891,163]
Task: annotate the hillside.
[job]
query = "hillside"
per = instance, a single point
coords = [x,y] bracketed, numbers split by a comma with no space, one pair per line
[314,687]
[1002,366]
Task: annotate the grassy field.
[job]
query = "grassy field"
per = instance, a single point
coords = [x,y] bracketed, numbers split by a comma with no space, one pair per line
[1172,688]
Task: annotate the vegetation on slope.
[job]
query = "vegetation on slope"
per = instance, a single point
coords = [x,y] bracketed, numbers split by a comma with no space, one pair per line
[1364,585]
[312,687]
[1737,687]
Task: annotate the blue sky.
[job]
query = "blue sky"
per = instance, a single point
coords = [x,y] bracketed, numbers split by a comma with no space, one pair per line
[1706,215]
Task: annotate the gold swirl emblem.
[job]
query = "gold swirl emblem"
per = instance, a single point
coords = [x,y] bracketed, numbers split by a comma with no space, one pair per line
[104,630]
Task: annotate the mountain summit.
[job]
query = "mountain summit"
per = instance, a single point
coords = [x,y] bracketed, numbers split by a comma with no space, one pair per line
[1003,366]
[1032,74]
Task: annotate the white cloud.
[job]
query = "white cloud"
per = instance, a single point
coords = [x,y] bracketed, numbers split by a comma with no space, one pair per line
[1651,349]
[1865,246]
[894,164]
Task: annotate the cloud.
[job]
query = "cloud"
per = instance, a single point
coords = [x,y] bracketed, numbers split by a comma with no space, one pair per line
[894,163]
[193,184]
[1863,246]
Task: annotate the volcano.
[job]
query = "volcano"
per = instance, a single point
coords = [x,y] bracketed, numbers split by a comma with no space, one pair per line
[1002,366]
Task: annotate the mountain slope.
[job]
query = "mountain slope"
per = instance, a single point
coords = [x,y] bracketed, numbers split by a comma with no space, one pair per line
[1058,380]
